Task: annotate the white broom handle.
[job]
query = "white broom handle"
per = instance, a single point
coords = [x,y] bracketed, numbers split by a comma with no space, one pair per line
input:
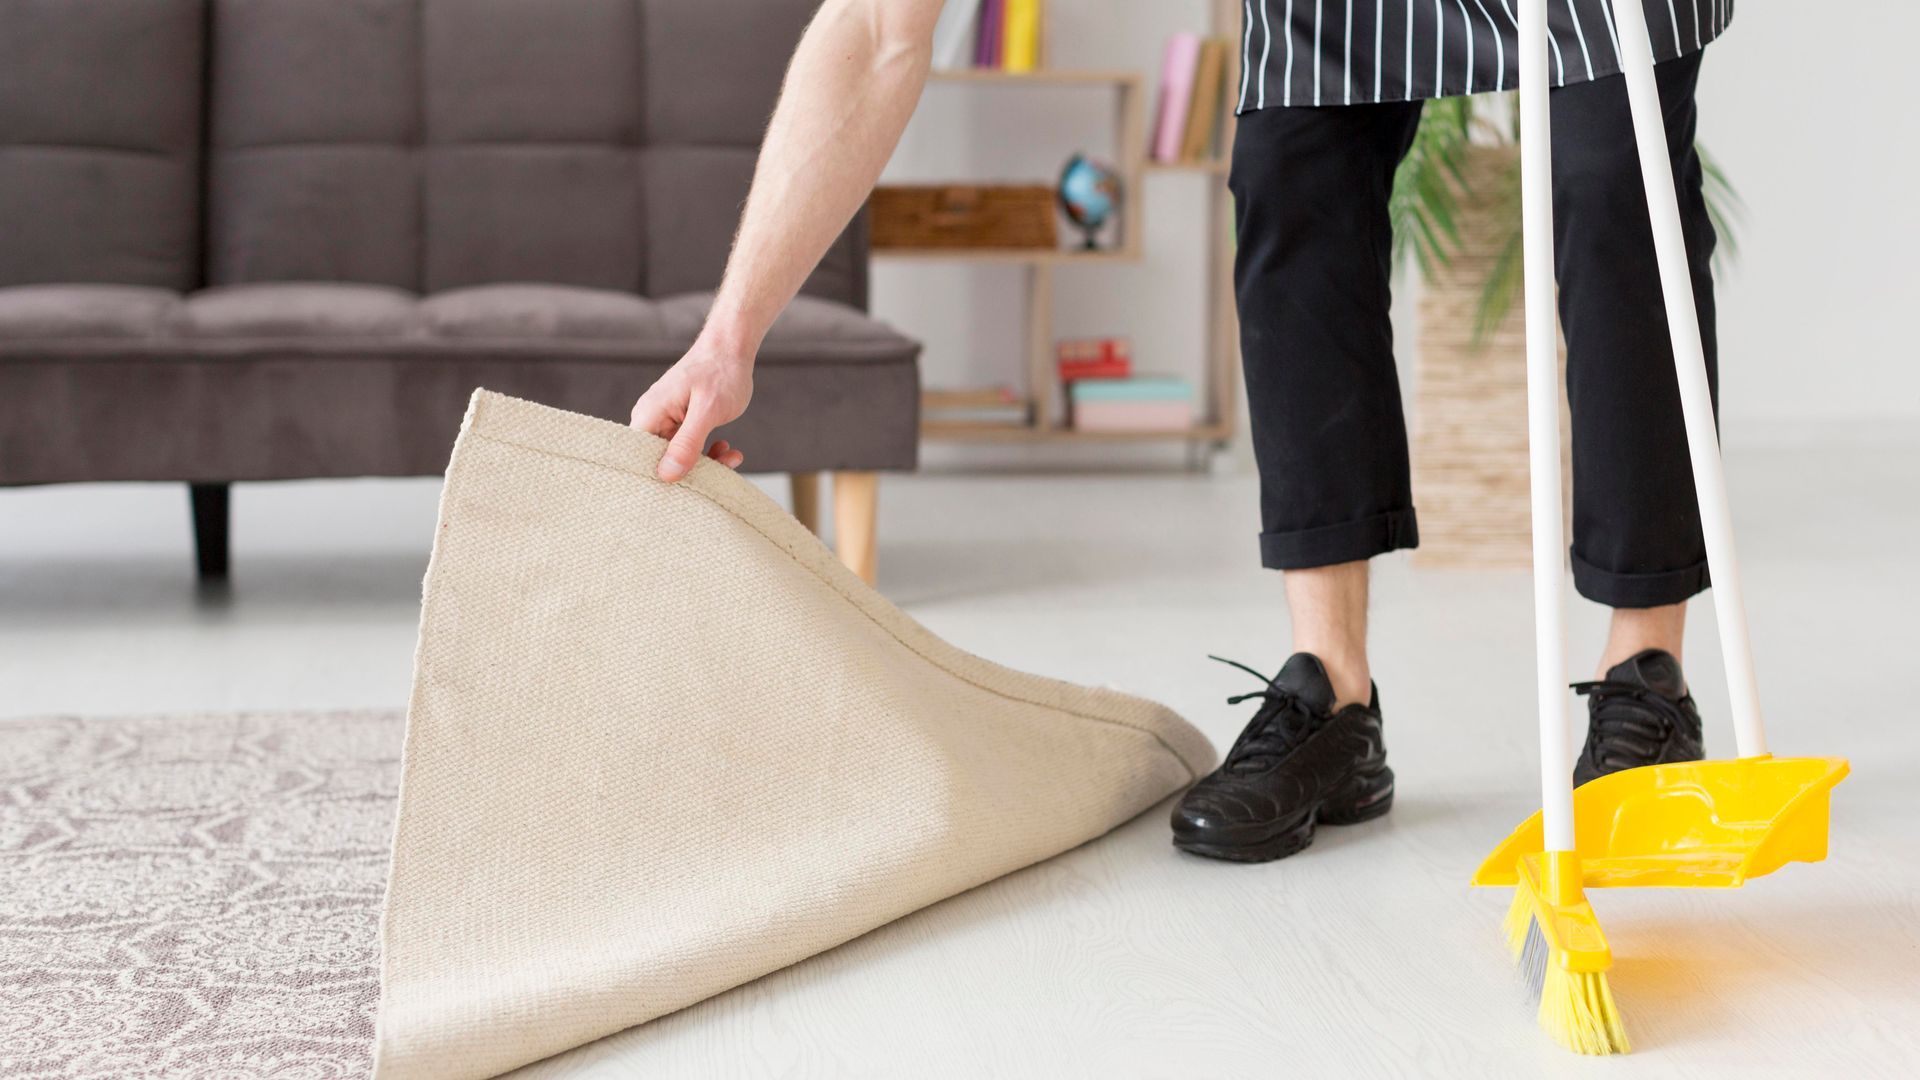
[1690,364]
[1543,430]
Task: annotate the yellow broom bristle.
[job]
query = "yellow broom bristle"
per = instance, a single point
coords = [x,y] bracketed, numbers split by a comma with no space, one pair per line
[1577,1009]
[1514,926]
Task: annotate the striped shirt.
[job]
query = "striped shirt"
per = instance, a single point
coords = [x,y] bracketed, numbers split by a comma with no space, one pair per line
[1350,52]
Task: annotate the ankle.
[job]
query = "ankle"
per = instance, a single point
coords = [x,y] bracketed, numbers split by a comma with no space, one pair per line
[1328,605]
[1347,670]
[1635,630]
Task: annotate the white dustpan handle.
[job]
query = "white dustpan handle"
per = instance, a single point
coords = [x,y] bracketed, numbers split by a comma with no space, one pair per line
[1543,430]
[1689,359]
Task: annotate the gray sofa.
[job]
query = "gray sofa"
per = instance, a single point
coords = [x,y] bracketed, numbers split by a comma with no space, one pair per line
[276,239]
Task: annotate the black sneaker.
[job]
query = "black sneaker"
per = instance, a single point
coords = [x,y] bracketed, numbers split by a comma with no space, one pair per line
[1640,714]
[1296,765]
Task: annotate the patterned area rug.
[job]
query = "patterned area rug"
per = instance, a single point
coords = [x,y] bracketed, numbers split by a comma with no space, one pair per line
[193,896]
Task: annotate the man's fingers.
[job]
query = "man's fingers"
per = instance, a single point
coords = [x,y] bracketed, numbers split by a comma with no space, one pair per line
[723,452]
[652,417]
[684,450]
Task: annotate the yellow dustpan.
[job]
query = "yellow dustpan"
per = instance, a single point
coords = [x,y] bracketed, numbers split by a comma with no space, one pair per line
[1692,825]
[1697,825]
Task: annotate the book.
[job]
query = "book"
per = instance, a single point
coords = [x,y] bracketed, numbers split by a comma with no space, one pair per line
[1113,348]
[987,29]
[999,416]
[1204,111]
[1021,51]
[956,33]
[993,27]
[1176,95]
[984,397]
[1132,416]
[1138,388]
[1073,370]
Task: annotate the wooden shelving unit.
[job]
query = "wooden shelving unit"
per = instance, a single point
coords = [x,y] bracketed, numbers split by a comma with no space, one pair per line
[1218,394]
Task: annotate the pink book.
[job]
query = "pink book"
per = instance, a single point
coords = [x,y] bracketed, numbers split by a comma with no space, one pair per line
[1132,415]
[1176,95]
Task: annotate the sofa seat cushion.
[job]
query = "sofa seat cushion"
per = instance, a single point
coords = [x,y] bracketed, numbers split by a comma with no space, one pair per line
[510,322]
[81,312]
[302,310]
[542,313]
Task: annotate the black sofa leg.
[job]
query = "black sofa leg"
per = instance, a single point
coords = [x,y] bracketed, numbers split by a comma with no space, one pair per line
[210,529]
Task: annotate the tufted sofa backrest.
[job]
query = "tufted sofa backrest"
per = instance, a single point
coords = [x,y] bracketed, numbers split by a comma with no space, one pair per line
[432,144]
[100,113]
[424,144]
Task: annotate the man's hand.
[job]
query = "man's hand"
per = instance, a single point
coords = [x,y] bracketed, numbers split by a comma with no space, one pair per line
[707,388]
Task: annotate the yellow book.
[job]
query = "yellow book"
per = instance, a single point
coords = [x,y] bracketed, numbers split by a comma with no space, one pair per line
[1021,28]
[1204,110]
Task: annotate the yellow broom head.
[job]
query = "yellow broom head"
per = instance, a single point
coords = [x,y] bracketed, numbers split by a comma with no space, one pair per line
[1556,940]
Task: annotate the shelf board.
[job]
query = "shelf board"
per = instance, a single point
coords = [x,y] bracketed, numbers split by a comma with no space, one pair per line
[983,431]
[1038,77]
[1050,256]
[1210,165]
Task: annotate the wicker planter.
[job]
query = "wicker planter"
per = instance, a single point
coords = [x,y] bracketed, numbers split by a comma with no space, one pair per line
[1470,400]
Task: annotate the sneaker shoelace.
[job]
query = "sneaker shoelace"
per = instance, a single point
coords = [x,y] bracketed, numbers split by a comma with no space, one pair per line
[1629,721]
[1282,723]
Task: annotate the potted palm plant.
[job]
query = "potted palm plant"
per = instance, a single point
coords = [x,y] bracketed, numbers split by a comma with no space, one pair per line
[1456,222]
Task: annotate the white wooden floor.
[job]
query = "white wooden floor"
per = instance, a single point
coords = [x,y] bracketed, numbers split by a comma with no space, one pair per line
[1364,956]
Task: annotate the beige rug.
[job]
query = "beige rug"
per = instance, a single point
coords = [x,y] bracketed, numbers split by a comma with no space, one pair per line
[193,896]
[660,743]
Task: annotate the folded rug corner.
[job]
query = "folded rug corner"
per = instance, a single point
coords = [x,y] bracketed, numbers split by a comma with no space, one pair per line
[661,742]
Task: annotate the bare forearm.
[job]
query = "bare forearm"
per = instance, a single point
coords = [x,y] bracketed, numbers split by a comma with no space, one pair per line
[852,85]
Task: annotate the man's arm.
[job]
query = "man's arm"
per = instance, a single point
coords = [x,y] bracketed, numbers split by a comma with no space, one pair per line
[849,92]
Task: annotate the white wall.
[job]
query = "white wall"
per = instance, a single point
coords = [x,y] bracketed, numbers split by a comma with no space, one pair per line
[1810,109]
[1808,114]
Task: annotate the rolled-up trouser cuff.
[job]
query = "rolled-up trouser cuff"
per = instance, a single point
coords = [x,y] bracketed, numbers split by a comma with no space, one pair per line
[1349,541]
[1638,590]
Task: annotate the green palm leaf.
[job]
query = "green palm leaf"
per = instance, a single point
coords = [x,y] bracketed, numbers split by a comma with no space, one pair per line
[1430,182]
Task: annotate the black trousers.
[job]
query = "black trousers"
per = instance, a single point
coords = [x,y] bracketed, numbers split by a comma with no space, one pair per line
[1312,279]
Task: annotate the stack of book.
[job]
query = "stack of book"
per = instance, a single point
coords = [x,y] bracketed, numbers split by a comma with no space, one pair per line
[1193,100]
[1094,358]
[1103,393]
[998,35]
[1137,403]
[991,405]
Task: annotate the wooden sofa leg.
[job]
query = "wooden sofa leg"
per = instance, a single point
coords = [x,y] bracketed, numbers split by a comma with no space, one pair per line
[856,504]
[806,499]
[210,517]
